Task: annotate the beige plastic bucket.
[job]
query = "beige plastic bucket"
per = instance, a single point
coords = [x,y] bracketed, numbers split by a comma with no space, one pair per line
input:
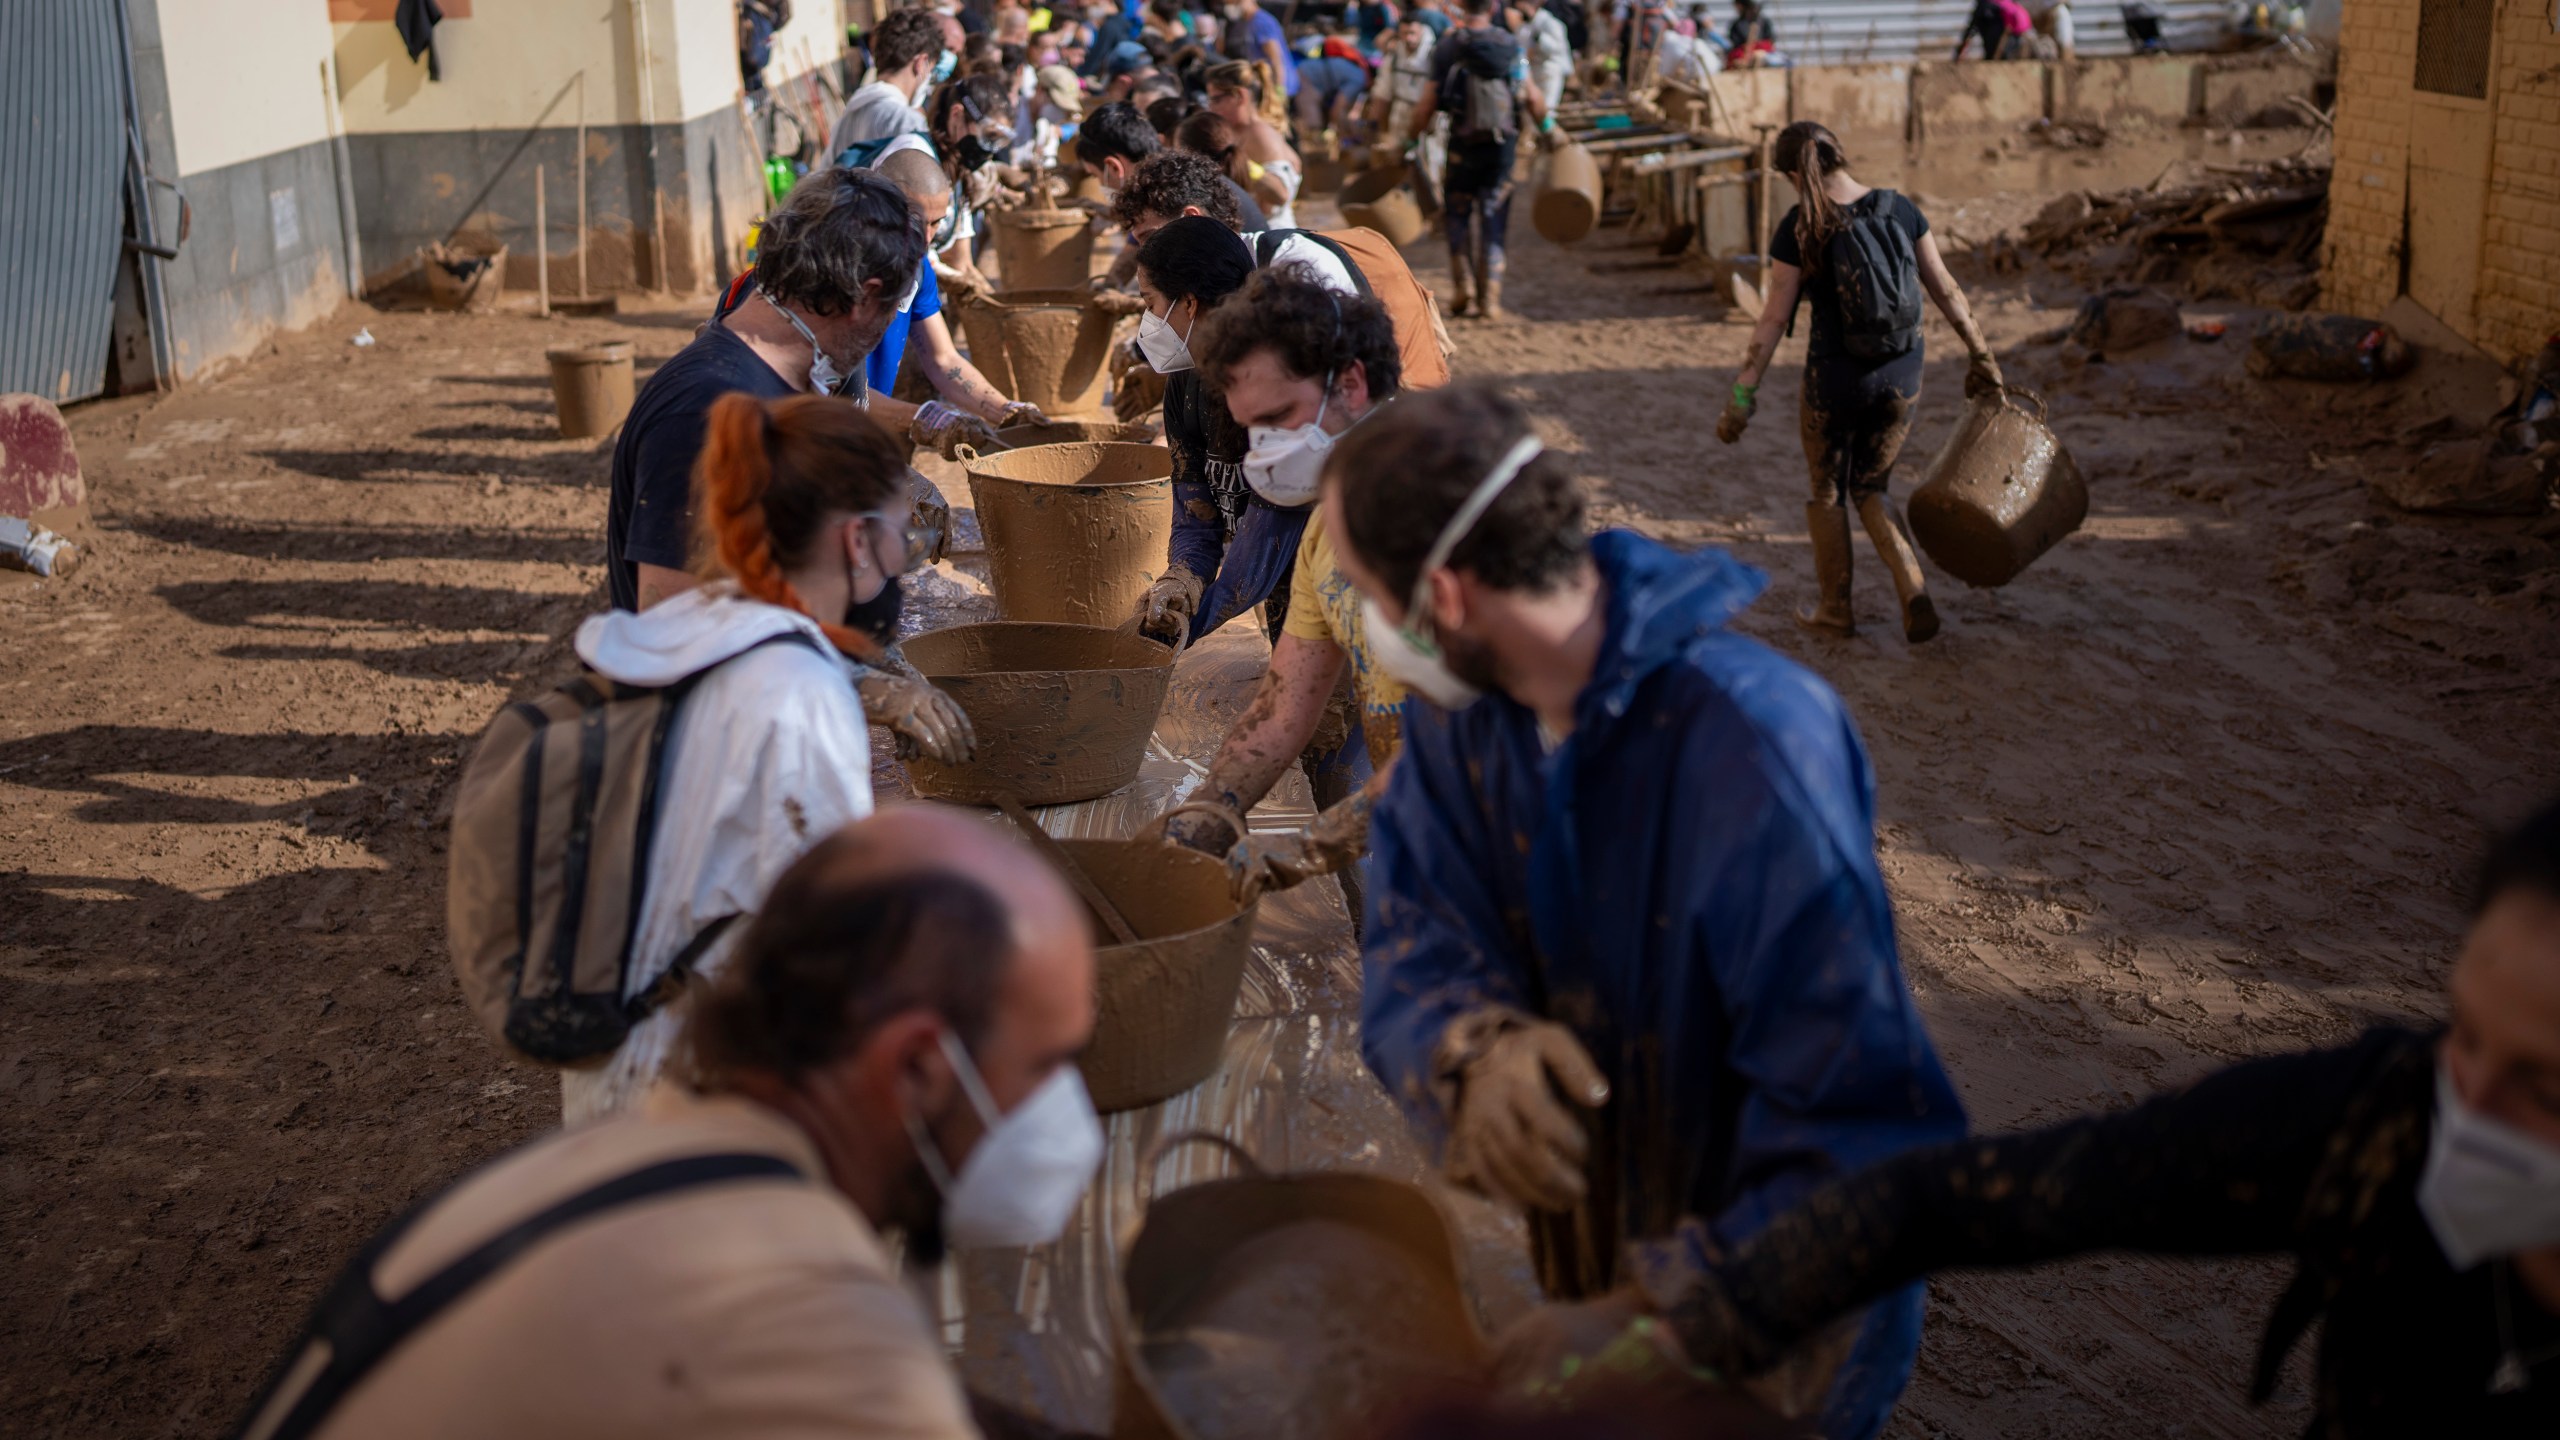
[1042,249]
[1380,200]
[1287,1307]
[1049,347]
[1162,1005]
[1568,203]
[591,386]
[1062,712]
[1074,533]
[2001,492]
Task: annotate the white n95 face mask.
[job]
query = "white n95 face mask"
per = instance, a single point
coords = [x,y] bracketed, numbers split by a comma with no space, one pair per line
[1410,652]
[1167,353]
[2489,1189]
[1286,467]
[1021,1184]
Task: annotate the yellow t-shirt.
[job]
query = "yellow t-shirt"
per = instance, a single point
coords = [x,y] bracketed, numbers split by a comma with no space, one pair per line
[1324,605]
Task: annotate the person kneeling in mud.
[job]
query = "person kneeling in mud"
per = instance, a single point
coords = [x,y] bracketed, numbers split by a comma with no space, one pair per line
[2413,1176]
[1302,366]
[1861,257]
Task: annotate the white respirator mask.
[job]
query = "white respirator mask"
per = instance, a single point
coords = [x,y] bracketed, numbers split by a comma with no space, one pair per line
[2489,1189]
[1409,652]
[824,377]
[1167,353]
[1024,1180]
[1286,466]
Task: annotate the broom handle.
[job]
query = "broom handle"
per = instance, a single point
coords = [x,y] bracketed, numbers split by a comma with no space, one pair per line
[1048,845]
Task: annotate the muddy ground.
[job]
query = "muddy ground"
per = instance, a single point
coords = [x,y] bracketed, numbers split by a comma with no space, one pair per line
[2205,783]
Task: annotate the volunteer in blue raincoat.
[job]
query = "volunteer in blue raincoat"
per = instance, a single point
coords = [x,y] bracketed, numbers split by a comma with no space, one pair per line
[1629,957]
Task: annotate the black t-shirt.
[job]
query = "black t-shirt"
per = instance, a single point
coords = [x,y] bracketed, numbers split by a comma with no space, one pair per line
[1248,210]
[648,520]
[1819,290]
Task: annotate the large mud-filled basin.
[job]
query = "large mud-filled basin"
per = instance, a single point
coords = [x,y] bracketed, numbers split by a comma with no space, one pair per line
[1062,712]
[1050,347]
[1162,1005]
[1074,533]
[1294,1307]
[1073,430]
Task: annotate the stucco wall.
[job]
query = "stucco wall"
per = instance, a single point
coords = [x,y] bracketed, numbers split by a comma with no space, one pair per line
[2519,305]
[250,78]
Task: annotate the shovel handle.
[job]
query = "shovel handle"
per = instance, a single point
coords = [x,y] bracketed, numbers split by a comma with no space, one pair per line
[1166,1144]
[1057,854]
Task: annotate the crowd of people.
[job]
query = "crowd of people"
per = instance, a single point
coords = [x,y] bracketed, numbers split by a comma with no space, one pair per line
[1629,963]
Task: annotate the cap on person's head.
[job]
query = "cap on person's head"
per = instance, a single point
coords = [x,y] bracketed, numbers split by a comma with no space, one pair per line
[1058,86]
[1127,58]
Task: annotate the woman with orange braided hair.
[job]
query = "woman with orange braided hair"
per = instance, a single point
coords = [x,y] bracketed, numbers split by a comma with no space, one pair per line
[799,511]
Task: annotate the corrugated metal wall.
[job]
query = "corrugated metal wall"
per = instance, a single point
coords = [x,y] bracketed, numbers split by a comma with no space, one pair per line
[61,194]
[1831,31]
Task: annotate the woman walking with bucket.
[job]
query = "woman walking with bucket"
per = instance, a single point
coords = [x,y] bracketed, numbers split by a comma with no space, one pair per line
[1862,257]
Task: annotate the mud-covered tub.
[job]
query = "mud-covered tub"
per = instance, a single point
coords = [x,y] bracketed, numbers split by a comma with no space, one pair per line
[1062,712]
[1074,533]
[1163,1004]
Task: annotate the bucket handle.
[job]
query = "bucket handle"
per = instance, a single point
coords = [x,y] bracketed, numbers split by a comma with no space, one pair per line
[1181,641]
[2009,392]
[1167,1144]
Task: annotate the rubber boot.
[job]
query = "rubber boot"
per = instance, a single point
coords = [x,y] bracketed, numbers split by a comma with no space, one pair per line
[1491,306]
[1902,562]
[1461,285]
[1488,276]
[1830,612]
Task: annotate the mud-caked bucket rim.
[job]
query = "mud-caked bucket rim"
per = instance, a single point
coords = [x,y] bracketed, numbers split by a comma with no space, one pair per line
[1048,298]
[995,466]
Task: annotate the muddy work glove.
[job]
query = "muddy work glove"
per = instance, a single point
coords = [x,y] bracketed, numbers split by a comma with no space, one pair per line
[1020,412]
[1260,864]
[943,429]
[1166,609]
[1556,1352]
[1119,303]
[926,721]
[1207,826]
[1982,376]
[1518,1131]
[1737,412]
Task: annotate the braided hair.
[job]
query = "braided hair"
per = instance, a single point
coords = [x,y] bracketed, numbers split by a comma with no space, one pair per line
[771,476]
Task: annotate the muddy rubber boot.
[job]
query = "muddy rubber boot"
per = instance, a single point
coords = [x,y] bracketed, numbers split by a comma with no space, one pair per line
[1461,287]
[1830,612]
[1491,308]
[1902,562]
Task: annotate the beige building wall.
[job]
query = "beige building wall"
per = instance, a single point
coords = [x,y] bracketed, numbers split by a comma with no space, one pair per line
[2454,201]
[247,78]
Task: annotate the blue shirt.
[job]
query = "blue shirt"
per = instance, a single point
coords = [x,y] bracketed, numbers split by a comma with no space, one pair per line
[1265,32]
[880,367]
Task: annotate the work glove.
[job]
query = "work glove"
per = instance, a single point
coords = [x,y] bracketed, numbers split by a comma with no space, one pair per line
[1737,413]
[1137,392]
[1119,303]
[926,721]
[1982,376]
[1020,412]
[1203,825]
[1260,864]
[1517,1135]
[1168,605]
[1550,138]
[959,287]
[1556,1350]
[943,429]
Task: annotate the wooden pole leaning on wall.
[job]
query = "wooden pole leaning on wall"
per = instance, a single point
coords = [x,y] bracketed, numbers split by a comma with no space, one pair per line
[541,244]
[584,292]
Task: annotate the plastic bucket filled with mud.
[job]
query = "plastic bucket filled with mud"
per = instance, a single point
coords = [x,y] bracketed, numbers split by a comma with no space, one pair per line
[1063,712]
[591,386]
[1043,249]
[2001,492]
[1074,533]
[1162,1006]
[1069,432]
[1568,203]
[1379,200]
[1287,1307]
[1049,347]
[468,274]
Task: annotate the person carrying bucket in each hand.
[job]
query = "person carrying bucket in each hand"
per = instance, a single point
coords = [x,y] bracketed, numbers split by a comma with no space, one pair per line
[1862,257]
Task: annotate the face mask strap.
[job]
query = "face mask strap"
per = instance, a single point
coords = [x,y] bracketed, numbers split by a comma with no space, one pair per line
[1486,492]
[972,1083]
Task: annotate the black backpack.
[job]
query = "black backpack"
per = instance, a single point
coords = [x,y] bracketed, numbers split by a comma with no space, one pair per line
[1875,280]
[1488,108]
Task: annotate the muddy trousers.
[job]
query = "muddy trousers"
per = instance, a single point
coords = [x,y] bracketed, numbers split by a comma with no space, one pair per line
[1855,417]
[1477,215]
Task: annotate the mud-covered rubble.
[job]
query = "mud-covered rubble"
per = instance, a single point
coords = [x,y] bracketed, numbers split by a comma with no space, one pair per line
[2249,233]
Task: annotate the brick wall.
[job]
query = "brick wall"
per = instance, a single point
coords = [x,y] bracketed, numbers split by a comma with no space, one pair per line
[2369,190]
[2519,305]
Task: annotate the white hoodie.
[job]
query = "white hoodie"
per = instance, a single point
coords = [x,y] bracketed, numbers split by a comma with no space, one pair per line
[768,755]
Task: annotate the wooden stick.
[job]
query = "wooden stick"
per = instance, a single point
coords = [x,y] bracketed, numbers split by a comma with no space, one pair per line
[1048,845]
[583,292]
[541,243]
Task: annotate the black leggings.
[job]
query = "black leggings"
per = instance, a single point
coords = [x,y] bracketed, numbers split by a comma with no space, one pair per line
[1855,418]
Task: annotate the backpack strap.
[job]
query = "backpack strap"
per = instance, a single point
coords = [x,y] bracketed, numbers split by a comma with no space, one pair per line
[1267,249]
[358,1327]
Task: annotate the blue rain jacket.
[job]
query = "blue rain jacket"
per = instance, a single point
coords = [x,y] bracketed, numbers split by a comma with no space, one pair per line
[1689,882]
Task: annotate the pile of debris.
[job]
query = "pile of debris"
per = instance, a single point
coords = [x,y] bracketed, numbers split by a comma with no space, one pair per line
[2243,232]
